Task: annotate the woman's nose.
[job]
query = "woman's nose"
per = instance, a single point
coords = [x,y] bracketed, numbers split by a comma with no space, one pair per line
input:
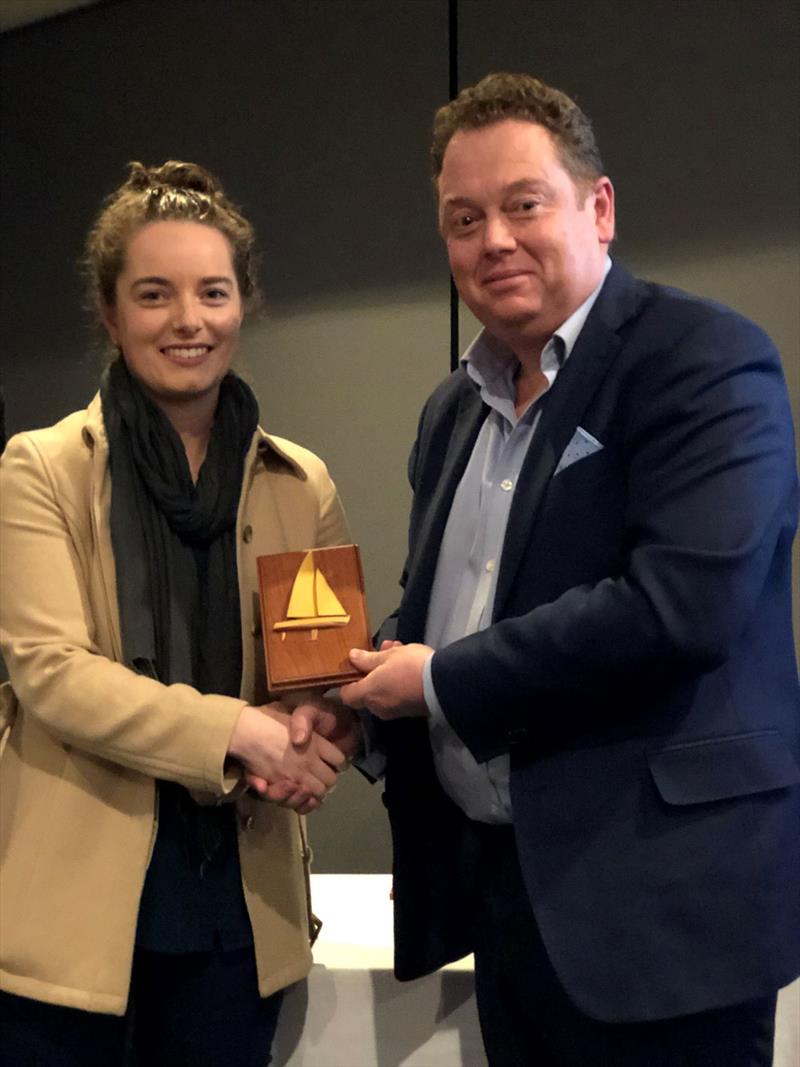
[187,317]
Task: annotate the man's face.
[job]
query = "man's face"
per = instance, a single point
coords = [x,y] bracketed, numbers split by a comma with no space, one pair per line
[526,245]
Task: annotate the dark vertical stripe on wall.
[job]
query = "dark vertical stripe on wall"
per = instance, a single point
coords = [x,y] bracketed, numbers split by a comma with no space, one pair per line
[452,48]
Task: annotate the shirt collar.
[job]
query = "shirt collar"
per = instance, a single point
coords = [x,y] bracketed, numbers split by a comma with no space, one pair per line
[492,365]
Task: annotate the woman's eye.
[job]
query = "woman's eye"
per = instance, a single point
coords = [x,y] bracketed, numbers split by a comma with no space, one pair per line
[151,296]
[216,294]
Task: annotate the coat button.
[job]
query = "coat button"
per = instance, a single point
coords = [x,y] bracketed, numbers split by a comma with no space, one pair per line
[247,534]
[248,823]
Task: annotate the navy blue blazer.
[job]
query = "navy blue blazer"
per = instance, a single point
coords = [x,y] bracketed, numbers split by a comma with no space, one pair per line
[640,669]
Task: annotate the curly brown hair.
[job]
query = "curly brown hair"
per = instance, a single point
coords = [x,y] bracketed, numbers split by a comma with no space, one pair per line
[175,190]
[521,96]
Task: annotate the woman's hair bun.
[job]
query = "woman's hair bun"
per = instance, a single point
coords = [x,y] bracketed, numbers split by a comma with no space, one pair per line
[173,174]
[177,191]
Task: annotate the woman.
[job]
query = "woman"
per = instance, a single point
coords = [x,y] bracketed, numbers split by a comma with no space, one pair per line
[150,901]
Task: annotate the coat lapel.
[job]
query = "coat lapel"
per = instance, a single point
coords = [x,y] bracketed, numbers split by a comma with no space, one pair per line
[94,438]
[594,353]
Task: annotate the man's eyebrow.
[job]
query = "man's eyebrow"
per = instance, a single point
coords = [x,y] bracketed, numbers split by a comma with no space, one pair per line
[457,201]
[519,186]
[525,184]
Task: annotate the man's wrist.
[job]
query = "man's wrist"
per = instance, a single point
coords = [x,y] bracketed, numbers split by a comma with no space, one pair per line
[434,706]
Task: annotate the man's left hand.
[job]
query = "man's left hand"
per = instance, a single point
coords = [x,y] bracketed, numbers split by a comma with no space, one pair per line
[392,686]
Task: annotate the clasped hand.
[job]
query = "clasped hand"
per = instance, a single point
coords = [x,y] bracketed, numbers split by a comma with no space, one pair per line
[292,750]
[294,762]
[392,686]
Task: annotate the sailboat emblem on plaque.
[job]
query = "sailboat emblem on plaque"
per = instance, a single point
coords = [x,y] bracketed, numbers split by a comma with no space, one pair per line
[313,605]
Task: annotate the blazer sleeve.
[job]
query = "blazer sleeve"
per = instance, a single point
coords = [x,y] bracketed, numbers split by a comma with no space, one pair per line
[711,502]
[58,670]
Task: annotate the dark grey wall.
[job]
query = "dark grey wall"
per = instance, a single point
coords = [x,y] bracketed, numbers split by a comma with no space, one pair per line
[316,114]
[694,104]
[290,101]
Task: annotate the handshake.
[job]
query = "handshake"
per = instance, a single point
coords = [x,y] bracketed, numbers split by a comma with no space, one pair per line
[293,749]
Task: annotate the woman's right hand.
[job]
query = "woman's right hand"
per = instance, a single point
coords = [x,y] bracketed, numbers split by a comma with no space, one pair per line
[297,776]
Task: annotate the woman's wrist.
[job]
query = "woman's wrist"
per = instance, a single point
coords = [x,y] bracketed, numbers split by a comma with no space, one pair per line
[242,740]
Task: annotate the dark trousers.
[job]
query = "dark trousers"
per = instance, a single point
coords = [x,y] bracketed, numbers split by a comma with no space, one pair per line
[527,1020]
[197,1010]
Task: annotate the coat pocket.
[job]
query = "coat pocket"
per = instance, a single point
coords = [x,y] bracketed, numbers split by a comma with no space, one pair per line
[720,768]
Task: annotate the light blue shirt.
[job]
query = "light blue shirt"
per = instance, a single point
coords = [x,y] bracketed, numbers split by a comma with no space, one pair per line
[462,596]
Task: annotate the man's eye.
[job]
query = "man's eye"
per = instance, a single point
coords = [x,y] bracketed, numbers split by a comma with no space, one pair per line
[527,207]
[466,221]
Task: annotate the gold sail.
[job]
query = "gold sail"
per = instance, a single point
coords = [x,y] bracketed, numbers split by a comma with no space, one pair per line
[312,602]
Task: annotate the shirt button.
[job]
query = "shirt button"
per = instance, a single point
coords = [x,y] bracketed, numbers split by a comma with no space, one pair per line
[247,534]
[490,566]
[506,484]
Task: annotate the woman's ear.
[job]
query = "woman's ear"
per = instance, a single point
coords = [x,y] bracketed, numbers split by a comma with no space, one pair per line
[109,317]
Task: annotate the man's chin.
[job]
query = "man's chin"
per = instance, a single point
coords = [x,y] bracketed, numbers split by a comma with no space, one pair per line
[515,319]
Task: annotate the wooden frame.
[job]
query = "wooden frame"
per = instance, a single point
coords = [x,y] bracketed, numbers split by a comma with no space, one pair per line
[309,648]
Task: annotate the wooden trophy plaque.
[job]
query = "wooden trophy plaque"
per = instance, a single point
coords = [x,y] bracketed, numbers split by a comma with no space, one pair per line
[313,611]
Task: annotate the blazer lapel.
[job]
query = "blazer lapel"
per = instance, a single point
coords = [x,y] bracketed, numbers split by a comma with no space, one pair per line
[564,407]
[467,421]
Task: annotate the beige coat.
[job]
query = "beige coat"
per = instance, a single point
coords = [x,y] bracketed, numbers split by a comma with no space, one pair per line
[77,792]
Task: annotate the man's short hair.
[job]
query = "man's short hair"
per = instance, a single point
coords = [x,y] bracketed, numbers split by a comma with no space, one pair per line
[521,96]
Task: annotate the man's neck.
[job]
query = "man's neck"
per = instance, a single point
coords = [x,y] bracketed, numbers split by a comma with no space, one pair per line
[529,384]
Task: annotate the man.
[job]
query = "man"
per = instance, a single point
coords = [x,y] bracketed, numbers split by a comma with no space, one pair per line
[593,780]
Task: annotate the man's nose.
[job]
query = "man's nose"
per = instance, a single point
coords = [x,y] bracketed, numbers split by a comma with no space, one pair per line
[498,236]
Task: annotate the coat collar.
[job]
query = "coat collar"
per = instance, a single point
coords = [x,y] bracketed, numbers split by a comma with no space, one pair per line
[93,433]
[267,444]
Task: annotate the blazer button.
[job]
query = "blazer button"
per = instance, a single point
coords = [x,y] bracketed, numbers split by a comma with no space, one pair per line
[247,534]
[248,823]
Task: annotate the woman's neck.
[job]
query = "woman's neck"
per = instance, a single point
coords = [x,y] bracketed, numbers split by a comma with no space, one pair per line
[192,421]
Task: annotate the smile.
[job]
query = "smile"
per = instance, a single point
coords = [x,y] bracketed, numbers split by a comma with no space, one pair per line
[186,352]
[504,276]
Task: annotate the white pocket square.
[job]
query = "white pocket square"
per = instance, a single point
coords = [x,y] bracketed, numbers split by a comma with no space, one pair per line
[581,446]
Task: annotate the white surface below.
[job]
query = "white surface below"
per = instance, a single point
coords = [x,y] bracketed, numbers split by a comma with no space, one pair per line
[352,1012]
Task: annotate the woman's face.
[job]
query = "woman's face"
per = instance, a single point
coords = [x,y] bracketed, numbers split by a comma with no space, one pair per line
[178,310]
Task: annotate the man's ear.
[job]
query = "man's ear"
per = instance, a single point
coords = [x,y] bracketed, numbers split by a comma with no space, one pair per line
[604,210]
